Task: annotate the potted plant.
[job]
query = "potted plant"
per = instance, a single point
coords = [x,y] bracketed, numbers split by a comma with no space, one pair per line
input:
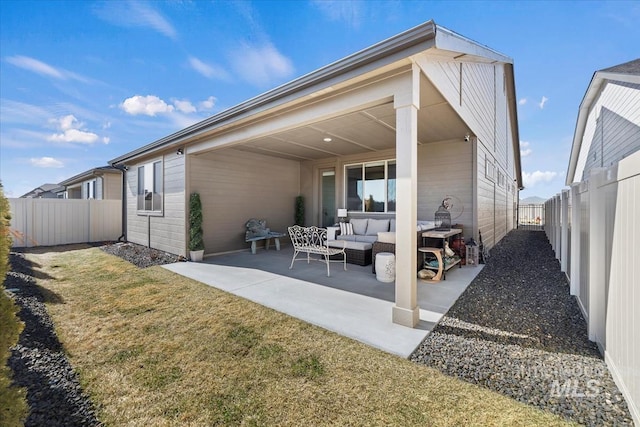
[196,243]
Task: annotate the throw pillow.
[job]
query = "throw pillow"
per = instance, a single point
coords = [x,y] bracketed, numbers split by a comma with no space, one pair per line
[346,228]
[359,225]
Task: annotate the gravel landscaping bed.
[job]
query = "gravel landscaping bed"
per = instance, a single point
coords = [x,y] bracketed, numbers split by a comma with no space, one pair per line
[518,331]
[38,361]
[141,256]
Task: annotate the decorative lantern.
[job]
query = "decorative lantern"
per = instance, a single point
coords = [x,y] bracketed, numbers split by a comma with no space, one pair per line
[443,217]
[472,254]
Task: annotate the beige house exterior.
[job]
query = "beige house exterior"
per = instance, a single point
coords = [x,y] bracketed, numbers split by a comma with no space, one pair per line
[423,115]
[102,183]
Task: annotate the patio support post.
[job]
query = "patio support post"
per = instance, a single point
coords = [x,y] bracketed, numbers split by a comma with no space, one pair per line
[406,103]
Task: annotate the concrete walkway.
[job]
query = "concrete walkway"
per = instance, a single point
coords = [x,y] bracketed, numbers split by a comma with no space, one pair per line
[351,303]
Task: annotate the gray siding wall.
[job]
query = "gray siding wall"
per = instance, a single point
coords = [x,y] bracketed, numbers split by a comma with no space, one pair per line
[613,126]
[446,169]
[166,232]
[236,186]
[112,186]
[479,96]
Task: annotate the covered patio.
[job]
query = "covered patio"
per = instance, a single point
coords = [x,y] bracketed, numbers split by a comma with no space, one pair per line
[351,303]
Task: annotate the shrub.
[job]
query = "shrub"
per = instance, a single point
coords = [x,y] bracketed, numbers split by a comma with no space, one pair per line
[196,242]
[12,400]
[299,220]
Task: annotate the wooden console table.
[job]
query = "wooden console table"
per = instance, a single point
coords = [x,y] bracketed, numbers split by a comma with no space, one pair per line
[439,252]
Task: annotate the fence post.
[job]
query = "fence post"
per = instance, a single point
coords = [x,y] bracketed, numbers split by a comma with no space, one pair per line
[576,230]
[564,231]
[556,225]
[597,217]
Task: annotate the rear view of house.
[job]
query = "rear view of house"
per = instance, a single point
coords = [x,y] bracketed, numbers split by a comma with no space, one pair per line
[389,131]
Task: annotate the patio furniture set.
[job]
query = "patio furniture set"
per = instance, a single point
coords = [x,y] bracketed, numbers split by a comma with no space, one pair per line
[360,241]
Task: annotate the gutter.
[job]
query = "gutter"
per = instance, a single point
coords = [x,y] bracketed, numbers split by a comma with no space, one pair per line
[123,200]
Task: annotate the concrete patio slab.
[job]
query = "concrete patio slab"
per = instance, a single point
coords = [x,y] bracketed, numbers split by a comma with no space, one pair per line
[352,303]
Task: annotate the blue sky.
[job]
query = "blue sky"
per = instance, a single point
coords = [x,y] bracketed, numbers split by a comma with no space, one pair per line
[83,82]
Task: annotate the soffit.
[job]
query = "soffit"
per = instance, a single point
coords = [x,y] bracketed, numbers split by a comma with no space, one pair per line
[364,131]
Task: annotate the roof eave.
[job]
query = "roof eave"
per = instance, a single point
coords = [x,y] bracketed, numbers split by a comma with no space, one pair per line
[387,48]
[95,172]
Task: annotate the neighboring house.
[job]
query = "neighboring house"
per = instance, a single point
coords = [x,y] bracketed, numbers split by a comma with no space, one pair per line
[608,126]
[593,227]
[101,183]
[45,191]
[388,131]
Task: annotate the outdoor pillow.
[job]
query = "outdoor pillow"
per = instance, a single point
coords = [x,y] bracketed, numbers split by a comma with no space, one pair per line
[392,225]
[359,225]
[387,236]
[377,225]
[346,228]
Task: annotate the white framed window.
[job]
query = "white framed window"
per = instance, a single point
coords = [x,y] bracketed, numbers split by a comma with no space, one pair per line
[150,187]
[501,181]
[371,187]
[489,169]
[90,189]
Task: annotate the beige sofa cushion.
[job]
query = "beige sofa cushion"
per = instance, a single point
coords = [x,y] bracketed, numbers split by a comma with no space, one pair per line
[377,225]
[359,225]
[387,237]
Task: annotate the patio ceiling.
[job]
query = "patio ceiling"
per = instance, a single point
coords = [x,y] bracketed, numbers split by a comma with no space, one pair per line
[368,130]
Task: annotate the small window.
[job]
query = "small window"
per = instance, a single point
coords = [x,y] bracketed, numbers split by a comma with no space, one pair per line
[489,169]
[150,187]
[90,189]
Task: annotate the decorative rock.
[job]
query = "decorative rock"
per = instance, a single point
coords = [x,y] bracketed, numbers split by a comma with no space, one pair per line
[517,330]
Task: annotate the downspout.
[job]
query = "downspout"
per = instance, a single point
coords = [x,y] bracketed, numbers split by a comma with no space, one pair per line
[123,198]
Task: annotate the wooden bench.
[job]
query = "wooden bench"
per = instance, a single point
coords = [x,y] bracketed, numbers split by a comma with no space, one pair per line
[257,230]
[313,240]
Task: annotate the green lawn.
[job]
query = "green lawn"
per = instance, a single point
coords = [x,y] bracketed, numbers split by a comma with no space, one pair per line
[154,348]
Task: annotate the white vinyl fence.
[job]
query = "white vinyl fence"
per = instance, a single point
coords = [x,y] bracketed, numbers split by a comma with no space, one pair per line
[49,222]
[594,230]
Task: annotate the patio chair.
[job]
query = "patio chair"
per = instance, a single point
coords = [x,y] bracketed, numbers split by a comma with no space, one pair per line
[313,240]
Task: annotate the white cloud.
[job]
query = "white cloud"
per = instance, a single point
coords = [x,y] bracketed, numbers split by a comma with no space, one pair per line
[531,179]
[524,149]
[261,65]
[522,101]
[184,106]
[106,139]
[208,103]
[543,101]
[74,135]
[149,105]
[135,14]
[46,162]
[208,70]
[350,12]
[44,69]
[71,131]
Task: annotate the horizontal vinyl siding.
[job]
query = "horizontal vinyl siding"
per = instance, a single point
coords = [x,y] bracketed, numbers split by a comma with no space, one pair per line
[165,232]
[485,197]
[446,169]
[236,186]
[478,88]
[613,126]
[168,231]
[112,186]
